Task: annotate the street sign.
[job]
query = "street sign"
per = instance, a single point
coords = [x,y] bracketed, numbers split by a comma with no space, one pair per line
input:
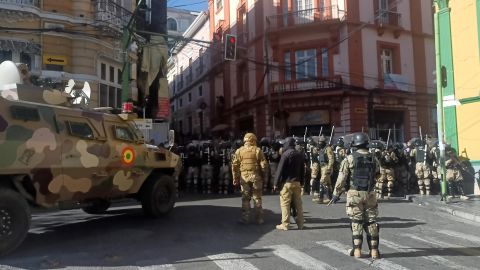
[144,123]
[50,59]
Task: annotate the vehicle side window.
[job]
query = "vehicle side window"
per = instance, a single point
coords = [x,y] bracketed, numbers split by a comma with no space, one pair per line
[79,129]
[25,113]
[124,134]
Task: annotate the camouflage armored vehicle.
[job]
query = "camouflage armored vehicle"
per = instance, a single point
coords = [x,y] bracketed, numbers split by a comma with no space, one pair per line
[56,154]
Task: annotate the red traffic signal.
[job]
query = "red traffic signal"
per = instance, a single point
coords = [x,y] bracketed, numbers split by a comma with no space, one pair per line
[230,47]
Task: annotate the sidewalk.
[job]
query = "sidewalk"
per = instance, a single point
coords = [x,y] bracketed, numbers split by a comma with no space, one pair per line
[466,209]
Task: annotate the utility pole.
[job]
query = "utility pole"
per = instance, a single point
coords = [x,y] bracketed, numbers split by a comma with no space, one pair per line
[442,7]
[126,38]
[269,97]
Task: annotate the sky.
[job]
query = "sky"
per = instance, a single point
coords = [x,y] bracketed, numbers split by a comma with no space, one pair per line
[196,5]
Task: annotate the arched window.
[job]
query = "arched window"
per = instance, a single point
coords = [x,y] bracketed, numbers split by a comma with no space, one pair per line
[171,24]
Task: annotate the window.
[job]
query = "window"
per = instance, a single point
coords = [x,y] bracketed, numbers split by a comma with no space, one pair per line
[171,24]
[124,134]
[180,103]
[110,89]
[386,61]
[383,11]
[103,71]
[112,74]
[172,108]
[288,67]
[78,129]
[189,97]
[325,67]
[5,55]
[200,91]
[24,113]
[306,64]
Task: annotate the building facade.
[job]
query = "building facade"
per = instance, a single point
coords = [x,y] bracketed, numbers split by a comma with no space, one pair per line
[62,40]
[324,64]
[458,25]
[188,81]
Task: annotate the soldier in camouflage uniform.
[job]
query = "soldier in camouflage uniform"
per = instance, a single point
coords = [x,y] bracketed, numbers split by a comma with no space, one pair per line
[435,166]
[401,168]
[454,174]
[340,154]
[312,151]
[249,168]
[387,173]
[360,168]
[326,160]
[422,168]
[265,146]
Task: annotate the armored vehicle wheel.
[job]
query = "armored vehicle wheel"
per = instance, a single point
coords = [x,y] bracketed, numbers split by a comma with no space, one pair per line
[97,207]
[158,195]
[14,220]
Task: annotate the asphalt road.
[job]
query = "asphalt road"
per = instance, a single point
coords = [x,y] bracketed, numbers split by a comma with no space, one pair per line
[203,234]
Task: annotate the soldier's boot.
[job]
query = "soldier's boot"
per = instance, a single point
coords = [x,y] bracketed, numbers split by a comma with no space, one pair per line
[356,250]
[259,215]
[428,190]
[451,190]
[460,190]
[372,229]
[390,191]
[327,193]
[321,195]
[312,187]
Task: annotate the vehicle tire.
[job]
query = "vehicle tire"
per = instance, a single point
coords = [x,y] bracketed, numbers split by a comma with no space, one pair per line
[97,207]
[158,195]
[14,220]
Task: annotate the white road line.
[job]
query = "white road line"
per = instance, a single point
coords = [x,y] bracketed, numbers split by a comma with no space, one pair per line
[434,258]
[299,258]
[151,267]
[231,261]
[468,237]
[382,263]
[442,244]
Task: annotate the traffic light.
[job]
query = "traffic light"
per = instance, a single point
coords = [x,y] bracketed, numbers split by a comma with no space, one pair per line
[230,47]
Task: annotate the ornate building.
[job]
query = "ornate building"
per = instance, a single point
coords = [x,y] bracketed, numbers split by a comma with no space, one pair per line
[326,63]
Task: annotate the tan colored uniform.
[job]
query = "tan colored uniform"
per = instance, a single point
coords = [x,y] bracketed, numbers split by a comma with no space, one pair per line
[362,206]
[326,169]
[250,167]
[291,192]
[387,175]
[422,171]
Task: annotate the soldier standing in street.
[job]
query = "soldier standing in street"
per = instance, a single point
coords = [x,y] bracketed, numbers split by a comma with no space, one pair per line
[325,160]
[360,169]
[312,150]
[289,179]
[422,169]
[454,174]
[249,168]
[389,160]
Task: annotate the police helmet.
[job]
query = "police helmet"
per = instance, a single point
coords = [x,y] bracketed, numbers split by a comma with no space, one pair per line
[191,147]
[322,139]
[311,141]
[265,142]
[399,146]
[360,139]
[375,144]
[225,144]
[299,141]
[250,138]
[289,142]
[419,142]
[238,143]
[340,142]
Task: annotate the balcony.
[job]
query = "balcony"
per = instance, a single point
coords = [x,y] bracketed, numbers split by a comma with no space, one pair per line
[305,85]
[385,19]
[110,14]
[22,3]
[331,14]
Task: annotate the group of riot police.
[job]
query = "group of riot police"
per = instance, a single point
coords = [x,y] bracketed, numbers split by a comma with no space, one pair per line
[405,168]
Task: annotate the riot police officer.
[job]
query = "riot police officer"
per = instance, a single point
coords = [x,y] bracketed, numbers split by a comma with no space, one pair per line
[224,177]
[312,150]
[454,174]
[206,173]
[360,169]
[325,160]
[249,167]
[401,168]
[265,146]
[422,168]
[192,163]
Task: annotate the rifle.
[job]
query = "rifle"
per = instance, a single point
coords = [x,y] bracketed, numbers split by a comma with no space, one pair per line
[388,137]
[331,135]
[320,133]
[426,150]
[331,201]
[305,135]
[420,130]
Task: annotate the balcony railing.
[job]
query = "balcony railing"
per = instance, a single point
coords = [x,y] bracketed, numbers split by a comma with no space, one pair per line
[322,83]
[385,17]
[306,16]
[111,14]
[31,3]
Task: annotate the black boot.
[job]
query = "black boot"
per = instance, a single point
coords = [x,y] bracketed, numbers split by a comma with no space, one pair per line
[451,189]
[321,193]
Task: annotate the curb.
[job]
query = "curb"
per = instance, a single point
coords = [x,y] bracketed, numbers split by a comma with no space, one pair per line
[445,208]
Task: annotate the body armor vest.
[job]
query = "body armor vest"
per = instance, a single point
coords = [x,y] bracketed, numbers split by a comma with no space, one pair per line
[363,177]
[322,156]
[248,156]
[420,154]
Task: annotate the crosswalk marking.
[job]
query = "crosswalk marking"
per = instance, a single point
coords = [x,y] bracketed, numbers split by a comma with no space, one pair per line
[468,237]
[299,258]
[231,261]
[382,263]
[431,241]
[434,258]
